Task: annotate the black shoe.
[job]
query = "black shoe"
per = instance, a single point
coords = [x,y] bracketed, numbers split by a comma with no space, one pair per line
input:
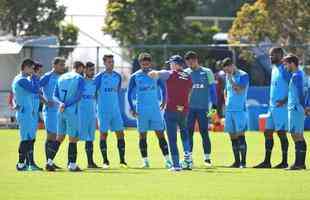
[235,165]
[56,167]
[296,167]
[23,168]
[76,169]
[50,168]
[282,165]
[34,167]
[263,165]
[92,166]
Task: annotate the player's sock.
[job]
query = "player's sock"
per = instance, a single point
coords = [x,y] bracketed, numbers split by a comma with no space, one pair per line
[163,146]
[303,153]
[47,144]
[242,149]
[22,152]
[206,142]
[191,139]
[268,149]
[207,156]
[143,147]
[298,146]
[121,149]
[103,148]
[72,152]
[234,143]
[29,152]
[89,151]
[284,147]
[187,156]
[52,149]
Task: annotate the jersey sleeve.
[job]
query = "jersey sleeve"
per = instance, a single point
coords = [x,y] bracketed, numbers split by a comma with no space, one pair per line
[31,86]
[210,76]
[44,79]
[163,89]
[244,81]
[78,94]
[97,80]
[131,87]
[285,74]
[56,95]
[213,95]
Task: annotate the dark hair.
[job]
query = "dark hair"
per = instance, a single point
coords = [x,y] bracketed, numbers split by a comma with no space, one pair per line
[227,61]
[37,66]
[27,62]
[78,64]
[106,56]
[190,55]
[58,60]
[144,56]
[89,65]
[291,58]
[277,50]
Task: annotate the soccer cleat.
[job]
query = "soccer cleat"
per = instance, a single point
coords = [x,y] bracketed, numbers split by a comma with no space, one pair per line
[168,164]
[242,166]
[235,165]
[296,167]
[34,167]
[75,169]
[187,165]
[50,168]
[263,165]
[92,166]
[145,165]
[106,166]
[207,163]
[282,165]
[175,169]
[56,167]
[123,165]
[21,167]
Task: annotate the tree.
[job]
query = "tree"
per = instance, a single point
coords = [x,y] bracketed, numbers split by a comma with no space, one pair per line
[286,22]
[36,17]
[134,22]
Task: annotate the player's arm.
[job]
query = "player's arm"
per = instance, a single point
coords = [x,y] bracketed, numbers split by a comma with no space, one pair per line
[212,89]
[163,90]
[31,86]
[44,79]
[78,94]
[298,82]
[240,85]
[56,95]
[162,74]
[131,87]
[97,80]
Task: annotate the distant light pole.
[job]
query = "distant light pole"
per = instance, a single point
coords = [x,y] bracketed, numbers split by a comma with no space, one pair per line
[165,39]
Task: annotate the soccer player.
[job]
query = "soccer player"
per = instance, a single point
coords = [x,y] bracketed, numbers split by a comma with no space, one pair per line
[296,111]
[179,85]
[108,84]
[236,89]
[67,94]
[277,115]
[24,86]
[203,92]
[87,112]
[48,83]
[148,110]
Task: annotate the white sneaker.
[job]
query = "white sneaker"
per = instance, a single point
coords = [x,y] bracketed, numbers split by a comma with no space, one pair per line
[175,169]
[105,166]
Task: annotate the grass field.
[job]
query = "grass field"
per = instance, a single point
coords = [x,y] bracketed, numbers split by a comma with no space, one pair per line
[155,183]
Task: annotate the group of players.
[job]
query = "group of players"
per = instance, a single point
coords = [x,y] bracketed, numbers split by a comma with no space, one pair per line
[74,100]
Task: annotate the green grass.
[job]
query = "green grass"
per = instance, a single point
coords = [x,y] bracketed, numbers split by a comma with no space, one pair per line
[155,183]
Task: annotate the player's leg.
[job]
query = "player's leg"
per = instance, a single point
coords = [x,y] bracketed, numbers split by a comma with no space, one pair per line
[157,124]
[296,128]
[268,135]
[50,121]
[73,133]
[143,149]
[117,126]
[104,124]
[121,145]
[240,120]
[53,147]
[104,149]
[191,119]
[182,122]
[23,146]
[230,128]
[171,123]
[203,128]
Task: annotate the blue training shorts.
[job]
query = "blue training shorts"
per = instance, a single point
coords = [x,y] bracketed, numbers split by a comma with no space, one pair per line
[277,119]
[236,121]
[296,120]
